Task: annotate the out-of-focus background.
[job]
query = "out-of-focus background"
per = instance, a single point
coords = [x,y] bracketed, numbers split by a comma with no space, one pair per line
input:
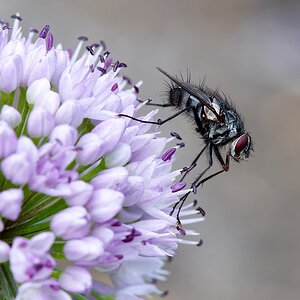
[250,49]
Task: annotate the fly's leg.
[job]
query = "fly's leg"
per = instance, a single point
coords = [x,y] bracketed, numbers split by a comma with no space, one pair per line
[186,170]
[159,121]
[149,102]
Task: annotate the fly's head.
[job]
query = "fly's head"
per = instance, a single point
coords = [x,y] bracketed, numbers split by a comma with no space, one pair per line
[241,146]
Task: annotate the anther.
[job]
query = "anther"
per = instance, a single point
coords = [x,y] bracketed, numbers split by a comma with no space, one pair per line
[106,53]
[44,32]
[101,70]
[165,293]
[181,145]
[127,79]
[200,243]
[114,87]
[122,65]
[201,211]
[136,89]
[34,30]
[101,58]
[90,49]
[176,135]
[168,154]
[82,38]
[178,186]
[18,17]
[195,202]
[180,228]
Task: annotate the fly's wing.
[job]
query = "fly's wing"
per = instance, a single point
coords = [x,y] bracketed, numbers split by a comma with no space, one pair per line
[190,89]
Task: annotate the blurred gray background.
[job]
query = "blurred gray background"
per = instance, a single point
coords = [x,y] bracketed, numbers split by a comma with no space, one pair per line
[251,51]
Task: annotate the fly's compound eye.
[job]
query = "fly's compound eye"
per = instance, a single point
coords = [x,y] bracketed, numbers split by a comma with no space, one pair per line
[241,146]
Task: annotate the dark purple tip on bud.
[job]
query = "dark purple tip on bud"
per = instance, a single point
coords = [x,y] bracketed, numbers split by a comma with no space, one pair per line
[168,154]
[201,211]
[107,63]
[119,256]
[16,17]
[136,89]
[178,186]
[34,30]
[44,32]
[176,135]
[200,243]
[114,87]
[195,202]
[70,52]
[49,41]
[92,68]
[103,45]
[83,38]
[127,79]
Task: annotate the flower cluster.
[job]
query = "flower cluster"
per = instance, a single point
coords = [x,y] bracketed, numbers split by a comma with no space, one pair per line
[79,182]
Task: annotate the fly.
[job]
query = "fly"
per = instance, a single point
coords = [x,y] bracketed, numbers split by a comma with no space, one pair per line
[218,123]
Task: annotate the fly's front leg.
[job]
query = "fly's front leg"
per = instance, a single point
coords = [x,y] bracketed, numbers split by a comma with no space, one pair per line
[159,121]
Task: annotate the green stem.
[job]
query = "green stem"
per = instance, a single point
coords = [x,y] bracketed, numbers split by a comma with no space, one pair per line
[8,285]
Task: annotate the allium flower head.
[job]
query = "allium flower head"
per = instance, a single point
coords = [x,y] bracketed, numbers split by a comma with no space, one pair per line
[78,182]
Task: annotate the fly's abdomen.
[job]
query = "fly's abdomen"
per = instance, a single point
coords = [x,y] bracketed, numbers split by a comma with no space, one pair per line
[182,99]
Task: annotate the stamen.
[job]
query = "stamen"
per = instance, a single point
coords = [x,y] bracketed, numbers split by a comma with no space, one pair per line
[103,45]
[136,89]
[44,32]
[16,16]
[168,154]
[106,53]
[165,293]
[122,65]
[16,24]
[81,39]
[6,26]
[102,60]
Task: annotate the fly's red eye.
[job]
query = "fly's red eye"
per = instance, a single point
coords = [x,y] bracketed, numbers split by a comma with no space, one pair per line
[241,144]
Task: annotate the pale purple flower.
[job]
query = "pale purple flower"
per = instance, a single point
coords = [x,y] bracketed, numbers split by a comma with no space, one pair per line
[42,290]
[78,181]
[29,259]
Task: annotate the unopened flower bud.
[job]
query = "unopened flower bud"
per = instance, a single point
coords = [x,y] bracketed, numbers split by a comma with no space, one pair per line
[65,134]
[10,115]
[69,113]
[10,203]
[8,140]
[76,279]
[71,223]
[17,168]
[36,89]
[105,204]
[120,156]
[40,122]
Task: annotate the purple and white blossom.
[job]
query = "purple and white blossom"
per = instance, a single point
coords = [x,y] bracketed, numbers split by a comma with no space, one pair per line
[78,181]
